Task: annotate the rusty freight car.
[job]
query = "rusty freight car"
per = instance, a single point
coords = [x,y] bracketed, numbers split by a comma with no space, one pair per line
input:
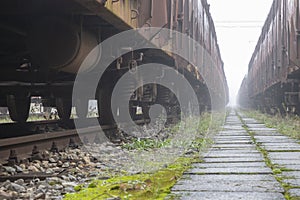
[274,69]
[44,42]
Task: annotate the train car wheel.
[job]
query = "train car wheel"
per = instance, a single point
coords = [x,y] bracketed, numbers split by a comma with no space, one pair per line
[64,107]
[18,108]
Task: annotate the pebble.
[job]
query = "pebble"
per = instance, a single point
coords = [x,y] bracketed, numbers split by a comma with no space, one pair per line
[37,165]
[24,196]
[69,190]
[42,169]
[87,160]
[45,163]
[9,169]
[57,187]
[69,184]
[4,174]
[70,168]
[66,165]
[37,162]
[19,169]
[42,187]
[57,169]
[49,171]
[93,174]
[65,178]
[5,184]
[40,195]
[54,180]
[5,195]
[59,163]
[16,187]
[20,181]
[23,166]
[72,178]
[33,168]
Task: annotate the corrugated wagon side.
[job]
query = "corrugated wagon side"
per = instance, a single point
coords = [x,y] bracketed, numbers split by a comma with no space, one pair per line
[44,42]
[273,72]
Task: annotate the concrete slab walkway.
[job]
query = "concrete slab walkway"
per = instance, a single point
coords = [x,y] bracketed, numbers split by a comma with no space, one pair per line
[245,162]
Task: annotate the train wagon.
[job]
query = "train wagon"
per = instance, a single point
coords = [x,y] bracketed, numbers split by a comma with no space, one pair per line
[243,97]
[44,42]
[274,69]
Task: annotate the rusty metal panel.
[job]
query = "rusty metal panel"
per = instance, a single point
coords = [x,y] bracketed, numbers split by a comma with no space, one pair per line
[139,13]
[282,71]
[298,32]
[120,8]
[293,39]
[180,16]
[145,12]
[206,32]
[160,15]
[266,65]
[129,11]
[186,16]
[276,56]
[200,22]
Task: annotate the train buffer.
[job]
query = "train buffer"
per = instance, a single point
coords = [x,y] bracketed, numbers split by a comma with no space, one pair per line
[247,161]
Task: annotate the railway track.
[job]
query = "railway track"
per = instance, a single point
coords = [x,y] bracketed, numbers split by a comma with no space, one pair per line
[30,150]
[8,130]
[33,148]
[15,149]
[18,150]
[26,142]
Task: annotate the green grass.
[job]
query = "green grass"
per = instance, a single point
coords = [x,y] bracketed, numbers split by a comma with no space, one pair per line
[277,171]
[156,184]
[140,186]
[145,144]
[288,125]
[195,126]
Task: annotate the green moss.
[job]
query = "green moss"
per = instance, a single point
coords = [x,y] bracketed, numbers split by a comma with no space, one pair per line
[156,185]
[77,188]
[294,198]
[139,186]
[277,171]
[92,185]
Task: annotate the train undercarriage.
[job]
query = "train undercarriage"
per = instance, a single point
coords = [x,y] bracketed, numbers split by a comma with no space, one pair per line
[42,45]
[283,97]
[272,83]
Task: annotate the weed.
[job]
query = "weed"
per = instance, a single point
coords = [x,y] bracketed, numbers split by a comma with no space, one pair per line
[277,171]
[288,125]
[145,144]
[158,184]
[139,186]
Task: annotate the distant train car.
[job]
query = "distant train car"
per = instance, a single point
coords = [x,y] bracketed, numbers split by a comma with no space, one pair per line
[44,42]
[243,96]
[273,79]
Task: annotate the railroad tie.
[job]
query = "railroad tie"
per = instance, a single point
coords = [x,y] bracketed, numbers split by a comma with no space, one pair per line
[233,168]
